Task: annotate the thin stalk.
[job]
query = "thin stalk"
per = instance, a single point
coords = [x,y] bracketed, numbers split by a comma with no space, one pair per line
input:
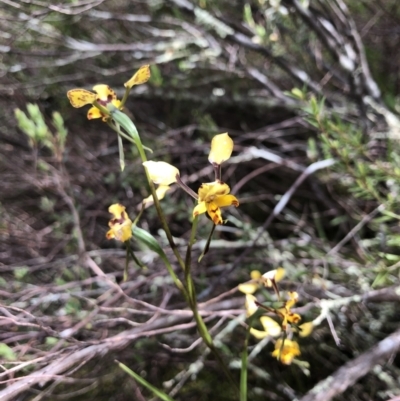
[201,326]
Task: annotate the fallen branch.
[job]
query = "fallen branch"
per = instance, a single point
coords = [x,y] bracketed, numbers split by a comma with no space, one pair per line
[348,374]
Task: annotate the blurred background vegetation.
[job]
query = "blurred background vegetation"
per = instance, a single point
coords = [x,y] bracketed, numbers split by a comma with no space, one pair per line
[294,82]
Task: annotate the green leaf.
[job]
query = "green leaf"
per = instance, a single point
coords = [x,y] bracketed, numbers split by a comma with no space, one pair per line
[7,353]
[21,272]
[147,239]
[124,121]
[145,383]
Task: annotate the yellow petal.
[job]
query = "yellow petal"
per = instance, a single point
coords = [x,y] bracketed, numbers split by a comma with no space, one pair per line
[287,351]
[121,232]
[80,97]
[293,318]
[160,192]
[141,76]
[271,327]
[199,209]
[306,329]
[214,212]
[104,93]
[259,334]
[255,274]
[273,275]
[161,173]
[93,113]
[226,200]
[293,297]
[250,305]
[209,191]
[117,210]
[248,288]
[221,148]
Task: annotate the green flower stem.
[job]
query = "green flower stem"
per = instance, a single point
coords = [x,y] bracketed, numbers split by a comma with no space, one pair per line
[243,369]
[201,326]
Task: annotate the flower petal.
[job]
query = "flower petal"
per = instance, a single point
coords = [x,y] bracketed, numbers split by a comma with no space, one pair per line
[221,148]
[250,305]
[141,76]
[93,113]
[271,327]
[117,210]
[214,212]
[273,275]
[160,192]
[104,93]
[248,288]
[121,232]
[259,334]
[226,200]
[255,274]
[286,351]
[306,329]
[161,173]
[80,97]
[199,209]
[209,191]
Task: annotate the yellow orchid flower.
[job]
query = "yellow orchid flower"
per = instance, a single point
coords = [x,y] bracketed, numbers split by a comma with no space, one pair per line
[257,279]
[103,95]
[120,225]
[285,312]
[221,149]
[160,173]
[213,196]
[285,352]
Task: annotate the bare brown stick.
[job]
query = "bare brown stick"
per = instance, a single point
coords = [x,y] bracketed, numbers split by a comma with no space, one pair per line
[348,374]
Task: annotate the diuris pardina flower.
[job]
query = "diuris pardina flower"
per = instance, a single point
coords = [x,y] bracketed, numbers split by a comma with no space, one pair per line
[163,174]
[104,95]
[286,351]
[286,313]
[213,196]
[268,279]
[120,225]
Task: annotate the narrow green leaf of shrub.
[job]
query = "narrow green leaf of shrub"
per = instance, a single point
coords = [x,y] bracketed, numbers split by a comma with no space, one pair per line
[145,383]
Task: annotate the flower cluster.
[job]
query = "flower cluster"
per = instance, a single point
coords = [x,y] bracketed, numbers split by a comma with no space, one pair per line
[211,196]
[285,349]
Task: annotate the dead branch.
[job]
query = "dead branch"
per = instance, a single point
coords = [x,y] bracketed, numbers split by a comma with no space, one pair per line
[348,374]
